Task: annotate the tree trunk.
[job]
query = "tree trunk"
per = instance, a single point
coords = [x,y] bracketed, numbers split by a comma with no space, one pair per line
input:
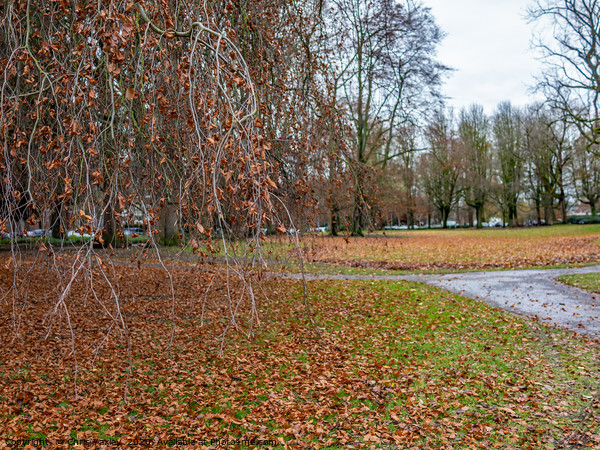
[548,215]
[563,208]
[411,219]
[109,225]
[357,219]
[513,216]
[167,224]
[357,229]
[334,224]
[109,228]
[55,222]
[445,213]
[478,211]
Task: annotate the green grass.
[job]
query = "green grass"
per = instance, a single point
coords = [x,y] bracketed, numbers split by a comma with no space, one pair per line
[73,240]
[440,357]
[35,242]
[587,281]
[463,354]
[525,232]
[332,269]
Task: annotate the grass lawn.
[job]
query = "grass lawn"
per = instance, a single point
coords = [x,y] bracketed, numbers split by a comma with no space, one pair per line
[524,232]
[67,241]
[341,269]
[588,281]
[398,364]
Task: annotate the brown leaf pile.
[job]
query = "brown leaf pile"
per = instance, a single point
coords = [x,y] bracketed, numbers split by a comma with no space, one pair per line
[453,250]
[373,377]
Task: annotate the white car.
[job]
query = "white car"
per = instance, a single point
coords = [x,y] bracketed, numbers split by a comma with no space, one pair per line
[72,233]
[39,233]
[395,227]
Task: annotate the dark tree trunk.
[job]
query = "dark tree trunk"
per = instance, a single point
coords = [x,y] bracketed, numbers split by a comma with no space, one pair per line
[563,207]
[358,216]
[55,222]
[109,225]
[109,229]
[445,213]
[513,216]
[334,224]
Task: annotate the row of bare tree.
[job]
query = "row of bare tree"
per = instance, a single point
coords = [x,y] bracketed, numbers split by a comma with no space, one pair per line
[418,158]
[524,160]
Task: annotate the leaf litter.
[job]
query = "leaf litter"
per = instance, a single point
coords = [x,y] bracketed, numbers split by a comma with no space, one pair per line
[398,364]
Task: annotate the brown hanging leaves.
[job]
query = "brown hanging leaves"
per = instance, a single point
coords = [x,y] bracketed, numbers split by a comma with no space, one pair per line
[122,200]
[130,94]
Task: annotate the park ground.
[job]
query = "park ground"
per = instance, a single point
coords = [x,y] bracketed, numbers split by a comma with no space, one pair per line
[460,249]
[378,363]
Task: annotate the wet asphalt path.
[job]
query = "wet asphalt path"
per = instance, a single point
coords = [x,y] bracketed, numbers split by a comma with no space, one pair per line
[534,293]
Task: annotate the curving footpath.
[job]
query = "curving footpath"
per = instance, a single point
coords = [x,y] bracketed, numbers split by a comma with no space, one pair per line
[533,293]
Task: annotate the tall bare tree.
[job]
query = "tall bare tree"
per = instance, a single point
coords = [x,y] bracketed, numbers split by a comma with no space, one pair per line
[508,156]
[441,167]
[571,78]
[401,191]
[384,53]
[586,175]
[549,154]
[473,128]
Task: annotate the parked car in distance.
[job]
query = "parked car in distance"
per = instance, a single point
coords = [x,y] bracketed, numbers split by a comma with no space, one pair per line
[38,233]
[133,231]
[72,233]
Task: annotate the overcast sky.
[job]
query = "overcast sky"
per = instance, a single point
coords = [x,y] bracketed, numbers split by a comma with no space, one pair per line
[488,43]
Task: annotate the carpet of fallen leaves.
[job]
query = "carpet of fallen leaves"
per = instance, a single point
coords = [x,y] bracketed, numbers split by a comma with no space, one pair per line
[459,249]
[387,363]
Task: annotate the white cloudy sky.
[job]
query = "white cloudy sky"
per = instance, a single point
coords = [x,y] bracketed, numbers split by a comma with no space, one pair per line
[488,43]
